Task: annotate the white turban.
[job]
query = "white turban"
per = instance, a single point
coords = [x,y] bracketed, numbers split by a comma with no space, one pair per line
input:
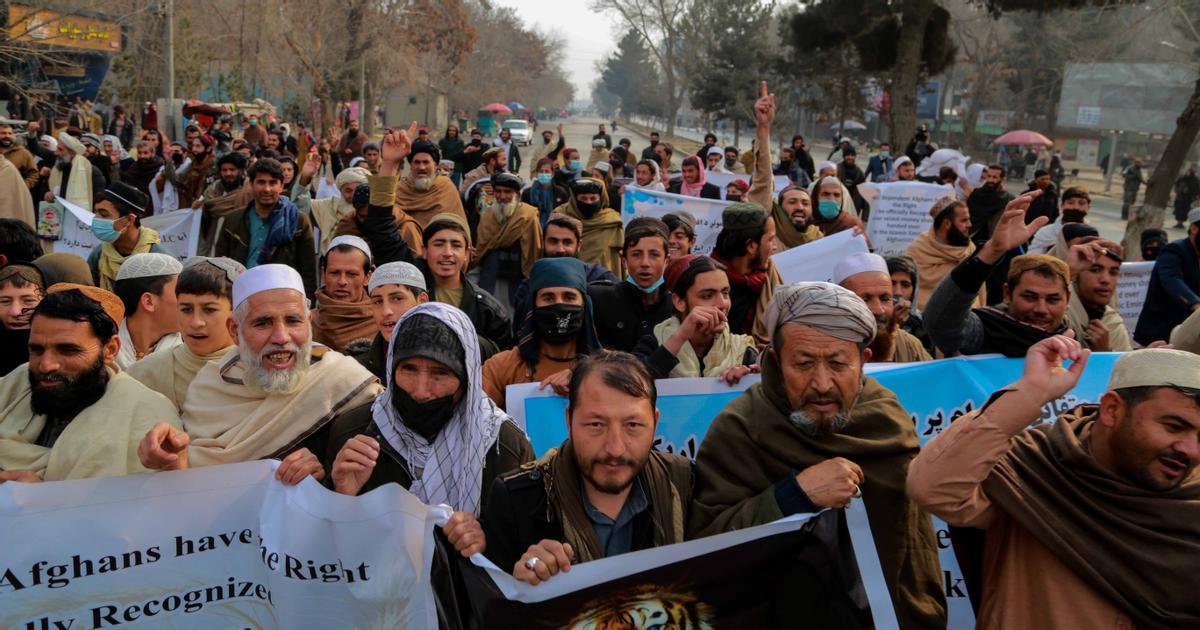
[49,140]
[827,308]
[71,142]
[352,175]
[861,262]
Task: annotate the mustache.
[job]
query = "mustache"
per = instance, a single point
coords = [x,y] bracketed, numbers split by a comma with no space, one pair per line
[614,461]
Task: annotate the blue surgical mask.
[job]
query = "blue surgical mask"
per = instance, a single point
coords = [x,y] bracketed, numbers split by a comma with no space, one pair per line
[576,165]
[103,229]
[544,178]
[651,289]
[829,209]
[884,154]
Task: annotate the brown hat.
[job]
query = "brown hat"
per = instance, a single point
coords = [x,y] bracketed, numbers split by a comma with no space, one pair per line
[108,300]
[1026,262]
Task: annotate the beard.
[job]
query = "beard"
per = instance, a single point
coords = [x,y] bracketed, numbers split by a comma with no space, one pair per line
[422,184]
[612,484]
[957,237]
[1134,460]
[7,142]
[63,164]
[232,184]
[885,339]
[822,427]
[71,395]
[267,381]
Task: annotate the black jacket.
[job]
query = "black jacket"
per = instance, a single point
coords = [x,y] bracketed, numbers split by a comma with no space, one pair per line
[595,273]
[708,191]
[620,315]
[485,312]
[1174,287]
[1044,206]
[510,450]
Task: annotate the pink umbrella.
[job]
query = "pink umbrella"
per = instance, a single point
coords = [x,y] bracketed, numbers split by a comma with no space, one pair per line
[499,108]
[1023,137]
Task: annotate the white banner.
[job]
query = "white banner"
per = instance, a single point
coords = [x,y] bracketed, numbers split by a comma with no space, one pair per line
[639,202]
[1131,291]
[179,231]
[722,180]
[899,212]
[815,261]
[219,547]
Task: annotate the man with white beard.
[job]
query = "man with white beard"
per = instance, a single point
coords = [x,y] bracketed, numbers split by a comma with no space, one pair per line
[273,396]
[424,192]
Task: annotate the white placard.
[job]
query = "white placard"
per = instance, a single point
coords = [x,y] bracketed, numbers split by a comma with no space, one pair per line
[639,202]
[1131,291]
[179,231]
[900,212]
[815,261]
[722,180]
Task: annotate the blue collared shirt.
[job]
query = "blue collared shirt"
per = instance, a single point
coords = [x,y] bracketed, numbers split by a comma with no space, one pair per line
[616,536]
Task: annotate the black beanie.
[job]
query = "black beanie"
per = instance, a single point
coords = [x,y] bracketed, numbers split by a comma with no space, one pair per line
[429,337]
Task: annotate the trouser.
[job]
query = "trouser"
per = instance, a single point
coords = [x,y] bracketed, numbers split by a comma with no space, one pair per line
[1130,199]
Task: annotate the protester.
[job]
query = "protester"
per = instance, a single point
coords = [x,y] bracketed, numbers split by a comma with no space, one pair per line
[73,177]
[118,225]
[1174,290]
[603,229]
[696,341]
[1035,298]
[714,160]
[19,156]
[270,229]
[736,190]
[510,236]
[1133,179]
[816,412]
[1187,190]
[880,167]
[69,413]
[542,193]
[792,211]
[943,247]
[646,174]
[15,199]
[1076,202]
[344,312]
[204,296]
[513,153]
[273,398]
[851,176]
[835,210]
[744,247]
[394,289]
[146,286]
[229,192]
[189,184]
[1097,325]
[494,161]
[22,288]
[423,192]
[142,172]
[905,280]
[575,505]
[1152,241]
[681,235]
[1048,559]
[557,331]
[351,144]
[327,213]
[432,429]
[867,276]
[451,147]
[572,168]
[649,152]
[629,310]
[692,183]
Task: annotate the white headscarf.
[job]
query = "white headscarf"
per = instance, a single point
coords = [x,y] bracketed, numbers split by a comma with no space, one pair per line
[452,466]
[79,185]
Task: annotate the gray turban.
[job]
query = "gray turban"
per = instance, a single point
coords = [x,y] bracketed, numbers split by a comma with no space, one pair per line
[824,307]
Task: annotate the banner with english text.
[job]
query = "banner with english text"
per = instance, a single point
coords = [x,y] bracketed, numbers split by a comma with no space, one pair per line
[219,547]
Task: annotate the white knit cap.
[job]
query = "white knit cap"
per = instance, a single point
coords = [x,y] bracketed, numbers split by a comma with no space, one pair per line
[1156,367]
[855,264]
[265,278]
[715,149]
[825,165]
[149,266]
[353,241]
[397,273]
[50,141]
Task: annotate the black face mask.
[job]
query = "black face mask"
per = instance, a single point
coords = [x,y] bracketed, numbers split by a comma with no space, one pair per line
[1150,252]
[1073,216]
[785,164]
[559,322]
[426,418]
[588,210]
[177,158]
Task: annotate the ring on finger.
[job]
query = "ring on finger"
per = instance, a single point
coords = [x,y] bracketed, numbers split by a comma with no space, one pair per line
[857,492]
[532,562]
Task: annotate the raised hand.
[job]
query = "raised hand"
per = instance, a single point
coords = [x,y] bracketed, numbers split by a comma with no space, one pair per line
[1012,231]
[1045,377]
[764,107]
[392,151]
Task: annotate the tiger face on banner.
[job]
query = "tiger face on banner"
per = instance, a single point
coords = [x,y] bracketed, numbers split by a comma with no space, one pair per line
[645,607]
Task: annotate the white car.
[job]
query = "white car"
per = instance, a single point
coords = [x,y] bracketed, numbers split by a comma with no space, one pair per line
[521,133]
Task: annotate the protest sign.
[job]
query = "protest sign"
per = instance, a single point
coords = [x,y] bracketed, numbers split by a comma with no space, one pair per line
[219,547]
[1131,291]
[639,202]
[899,212]
[722,180]
[815,261]
[179,231]
[738,579]
[689,405]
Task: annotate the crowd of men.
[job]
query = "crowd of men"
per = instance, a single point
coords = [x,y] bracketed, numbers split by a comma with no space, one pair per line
[358,309]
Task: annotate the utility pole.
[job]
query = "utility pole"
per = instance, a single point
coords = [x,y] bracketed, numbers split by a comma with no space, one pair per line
[173,121]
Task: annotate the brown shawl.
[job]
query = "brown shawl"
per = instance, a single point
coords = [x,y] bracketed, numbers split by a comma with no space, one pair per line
[751,445]
[786,232]
[191,185]
[1138,548]
[338,323]
[935,260]
[522,227]
[666,480]
[410,230]
[603,234]
[441,197]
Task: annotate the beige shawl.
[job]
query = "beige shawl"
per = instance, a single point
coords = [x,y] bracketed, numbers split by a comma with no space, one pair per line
[934,261]
[229,422]
[423,206]
[1077,320]
[727,351]
[15,200]
[340,322]
[79,185]
[170,373]
[327,213]
[101,441]
[496,232]
[111,260]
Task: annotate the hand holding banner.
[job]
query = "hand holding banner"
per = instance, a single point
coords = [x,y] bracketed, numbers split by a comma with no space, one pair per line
[814,262]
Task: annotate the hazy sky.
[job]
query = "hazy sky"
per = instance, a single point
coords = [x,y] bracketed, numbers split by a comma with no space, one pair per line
[588,35]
